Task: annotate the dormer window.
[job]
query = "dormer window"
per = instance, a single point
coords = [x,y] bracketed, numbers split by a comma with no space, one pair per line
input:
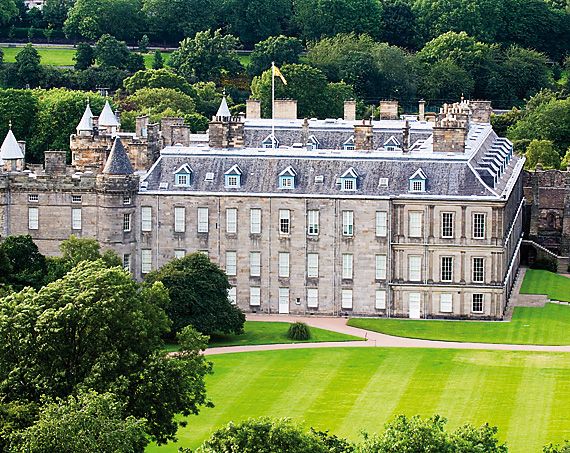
[313,142]
[348,180]
[287,178]
[418,181]
[270,142]
[182,176]
[232,178]
[392,144]
[349,144]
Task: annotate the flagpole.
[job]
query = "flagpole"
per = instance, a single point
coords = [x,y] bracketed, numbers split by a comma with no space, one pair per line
[273,105]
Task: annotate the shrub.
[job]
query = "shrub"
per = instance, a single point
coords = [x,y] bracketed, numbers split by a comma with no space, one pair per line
[299,331]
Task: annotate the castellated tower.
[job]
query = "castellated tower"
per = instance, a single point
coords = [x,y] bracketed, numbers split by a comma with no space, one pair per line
[225,130]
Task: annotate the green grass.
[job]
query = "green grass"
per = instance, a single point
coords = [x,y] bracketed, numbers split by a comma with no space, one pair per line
[50,55]
[149,57]
[346,390]
[555,286]
[261,332]
[542,326]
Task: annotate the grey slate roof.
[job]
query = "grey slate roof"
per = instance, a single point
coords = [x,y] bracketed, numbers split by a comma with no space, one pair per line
[260,174]
[118,162]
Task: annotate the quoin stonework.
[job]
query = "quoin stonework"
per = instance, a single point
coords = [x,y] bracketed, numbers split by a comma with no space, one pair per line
[398,217]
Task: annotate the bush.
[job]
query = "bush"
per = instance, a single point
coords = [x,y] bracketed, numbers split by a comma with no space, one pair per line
[299,331]
[546,263]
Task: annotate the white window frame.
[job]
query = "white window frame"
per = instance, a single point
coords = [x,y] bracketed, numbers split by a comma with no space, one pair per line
[312,265]
[447,225]
[182,179]
[380,299]
[232,295]
[478,270]
[415,221]
[480,296]
[179,254]
[179,219]
[76,219]
[284,221]
[347,266]
[446,268]
[479,220]
[284,296]
[348,223]
[127,199]
[346,299]
[446,303]
[255,296]
[231,263]
[127,262]
[313,222]
[146,218]
[312,297]
[283,264]
[203,220]
[33,218]
[255,264]
[127,222]
[415,268]
[381,262]
[286,182]
[348,184]
[255,220]
[33,198]
[417,185]
[146,261]
[233,181]
[381,224]
[76,198]
[231,220]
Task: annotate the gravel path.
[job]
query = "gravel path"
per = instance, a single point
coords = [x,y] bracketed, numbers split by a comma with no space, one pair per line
[373,339]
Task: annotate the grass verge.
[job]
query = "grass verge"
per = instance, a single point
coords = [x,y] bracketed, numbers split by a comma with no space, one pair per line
[555,286]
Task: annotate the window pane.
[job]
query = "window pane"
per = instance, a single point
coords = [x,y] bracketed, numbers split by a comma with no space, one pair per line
[231,220]
[126,222]
[477,303]
[380,267]
[478,270]
[479,226]
[179,220]
[414,268]
[312,265]
[76,218]
[312,297]
[231,263]
[446,268]
[284,221]
[255,264]
[33,218]
[146,261]
[447,225]
[446,303]
[203,225]
[255,296]
[313,222]
[415,224]
[347,265]
[284,264]
[146,218]
[346,298]
[380,299]
[232,295]
[381,223]
[255,221]
[347,223]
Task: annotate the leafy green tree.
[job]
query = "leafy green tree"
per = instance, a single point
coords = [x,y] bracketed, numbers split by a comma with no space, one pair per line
[399,27]
[143,43]
[157,78]
[27,71]
[207,98]
[96,328]
[93,18]
[8,11]
[20,106]
[1,57]
[279,49]
[109,51]
[206,57]
[84,56]
[558,448]
[320,18]
[160,99]
[565,163]
[57,118]
[501,123]
[526,71]
[106,76]
[135,62]
[89,422]
[55,12]
[157,60]
[542,152]
[468,439]
[5,267]
[197,122]
[253,21]
[264,435]
[198,292]
[444,81]
[28,265]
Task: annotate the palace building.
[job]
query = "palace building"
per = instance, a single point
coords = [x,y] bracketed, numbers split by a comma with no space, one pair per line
[411,216]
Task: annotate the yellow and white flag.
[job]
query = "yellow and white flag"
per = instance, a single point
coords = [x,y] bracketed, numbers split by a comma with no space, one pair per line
[277,72]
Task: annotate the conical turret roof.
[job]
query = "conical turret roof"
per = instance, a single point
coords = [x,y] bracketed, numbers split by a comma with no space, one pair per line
[223,110]
[86,123]
[10,148]
[107,117]
[118,162]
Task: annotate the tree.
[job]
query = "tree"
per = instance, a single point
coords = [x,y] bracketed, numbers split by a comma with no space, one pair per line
[27,71]
[198,292]
[84,56]
[207,98]
[135,62]
[564,448]
[264,435]
[206,57]
[157,78]
[566,160]
[143,43]
[28,265]
[55,12]
[89,422]
[8,11]
[399,24]
[157,60]
[111,52]
[444,81]
[159,100]
[97,329]
[279,49]
[319,18]
[542,152]
[526,71]
[21,107]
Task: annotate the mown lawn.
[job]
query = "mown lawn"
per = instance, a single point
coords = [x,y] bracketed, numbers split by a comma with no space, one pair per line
[346,390]
[50,55]
[262,332]
[542,326]
[555,286]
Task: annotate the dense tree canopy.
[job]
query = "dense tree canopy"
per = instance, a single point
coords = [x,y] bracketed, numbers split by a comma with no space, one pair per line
[278,49]
[157,78]
[28,266]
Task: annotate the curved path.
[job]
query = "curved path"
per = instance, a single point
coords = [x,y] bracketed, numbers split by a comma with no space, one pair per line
[373,339]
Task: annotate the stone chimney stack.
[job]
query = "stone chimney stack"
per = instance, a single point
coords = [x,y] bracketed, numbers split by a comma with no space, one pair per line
[54,162]
[226,132]
[285,109]
[363,136]
[450,129]
[388,110]
[406,137]
[481,111]
[350,110]
[422,110]
[252,109]
[141,127]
